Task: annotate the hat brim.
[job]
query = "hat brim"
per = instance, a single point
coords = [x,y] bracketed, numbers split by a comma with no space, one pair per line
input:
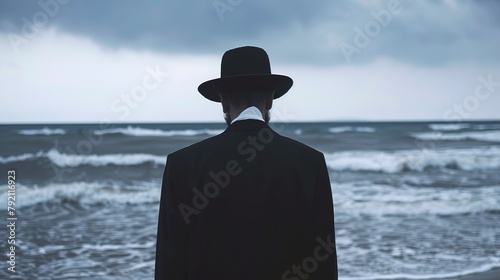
[279,83]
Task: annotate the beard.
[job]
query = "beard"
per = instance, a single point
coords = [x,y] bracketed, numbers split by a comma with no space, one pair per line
[267,117]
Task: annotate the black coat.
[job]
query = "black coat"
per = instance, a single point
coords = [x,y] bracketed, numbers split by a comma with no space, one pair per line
[246,204]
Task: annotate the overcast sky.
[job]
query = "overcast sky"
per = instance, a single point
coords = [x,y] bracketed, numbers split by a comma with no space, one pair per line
[142,61]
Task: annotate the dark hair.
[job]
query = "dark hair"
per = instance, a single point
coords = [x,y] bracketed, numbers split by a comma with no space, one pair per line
[247,97]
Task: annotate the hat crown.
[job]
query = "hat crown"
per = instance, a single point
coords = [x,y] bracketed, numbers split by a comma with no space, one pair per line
[245,67]
[245,61]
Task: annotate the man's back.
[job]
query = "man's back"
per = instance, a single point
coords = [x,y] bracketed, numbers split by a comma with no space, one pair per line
[246,204]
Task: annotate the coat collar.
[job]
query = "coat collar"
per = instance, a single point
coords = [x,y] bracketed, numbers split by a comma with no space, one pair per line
[247,125]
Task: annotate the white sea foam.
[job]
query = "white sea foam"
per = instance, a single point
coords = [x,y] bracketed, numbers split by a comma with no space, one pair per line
[486,126]
[107,247]
[139,131]
[378,200]
[42,131]
[22,157]
[487,136]
[73,160]
[342,129]
[414,160]
[49,249]
[376,161]
[448,126]
[86,193]
[69,160]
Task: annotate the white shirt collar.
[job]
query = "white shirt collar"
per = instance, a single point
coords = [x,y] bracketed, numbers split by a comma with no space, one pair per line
[250,113]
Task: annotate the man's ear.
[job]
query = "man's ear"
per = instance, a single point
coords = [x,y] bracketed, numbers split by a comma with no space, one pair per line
[225,104]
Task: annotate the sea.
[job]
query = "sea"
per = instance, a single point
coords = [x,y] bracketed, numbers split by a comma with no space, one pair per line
[412,200]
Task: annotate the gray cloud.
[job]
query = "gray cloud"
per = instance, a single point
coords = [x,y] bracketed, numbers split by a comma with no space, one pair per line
[293,31]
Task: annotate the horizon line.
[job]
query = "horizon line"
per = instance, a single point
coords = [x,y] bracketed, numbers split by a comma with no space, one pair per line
[278,122]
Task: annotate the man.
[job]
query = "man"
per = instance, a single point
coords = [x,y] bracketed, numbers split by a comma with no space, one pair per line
[248,203]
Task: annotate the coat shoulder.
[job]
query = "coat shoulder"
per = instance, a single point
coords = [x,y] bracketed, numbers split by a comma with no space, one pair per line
[280,143]
[203,145]
[300,147]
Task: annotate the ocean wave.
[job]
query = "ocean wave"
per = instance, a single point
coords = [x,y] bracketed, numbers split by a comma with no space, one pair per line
[107,247]
[414,160]
[42,131]
[74,160]
[448,126]
[349,198]
[22,157]
[139,131]
[342,129]
[87,193]
[375,161]
[68,160]
[380,200]
[486,126]
[485,136]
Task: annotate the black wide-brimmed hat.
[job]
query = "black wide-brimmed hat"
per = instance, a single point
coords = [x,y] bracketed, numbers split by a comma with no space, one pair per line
[245,67]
